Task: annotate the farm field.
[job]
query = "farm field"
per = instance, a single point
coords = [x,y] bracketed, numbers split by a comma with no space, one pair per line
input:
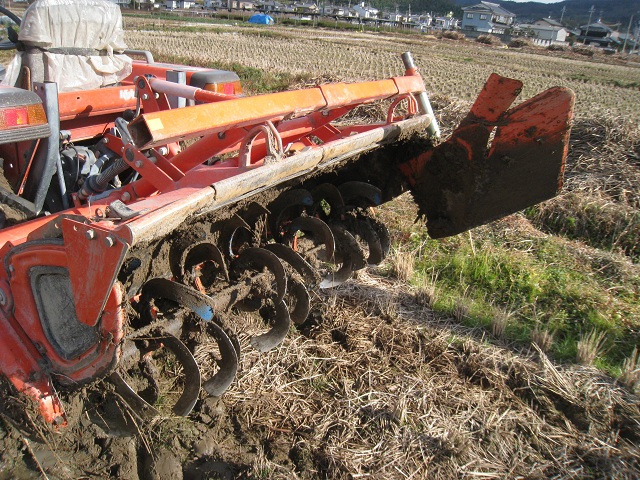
[507,352]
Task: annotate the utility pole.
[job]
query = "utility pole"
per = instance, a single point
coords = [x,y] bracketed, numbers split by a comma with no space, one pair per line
[586,34]
[564,9]
[624,45]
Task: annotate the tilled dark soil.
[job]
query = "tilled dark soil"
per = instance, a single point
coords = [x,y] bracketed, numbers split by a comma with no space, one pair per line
[374,386]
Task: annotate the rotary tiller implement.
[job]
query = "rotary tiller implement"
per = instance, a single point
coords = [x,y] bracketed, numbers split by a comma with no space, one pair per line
[166,225]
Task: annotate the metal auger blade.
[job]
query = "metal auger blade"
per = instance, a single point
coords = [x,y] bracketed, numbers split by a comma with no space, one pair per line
[258,259]
[204,307]
[295,260]
[282,209]
[348,253]
[192,382]
[329,193]
[197,254]
[360,194]
[274,337]
[319,231]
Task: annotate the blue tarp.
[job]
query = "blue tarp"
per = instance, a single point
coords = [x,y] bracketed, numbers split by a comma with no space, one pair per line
[261,18]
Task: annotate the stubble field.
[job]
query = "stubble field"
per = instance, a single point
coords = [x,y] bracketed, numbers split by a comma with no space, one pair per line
[463,358]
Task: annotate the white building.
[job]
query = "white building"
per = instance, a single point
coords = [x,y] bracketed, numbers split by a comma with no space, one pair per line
[365,11]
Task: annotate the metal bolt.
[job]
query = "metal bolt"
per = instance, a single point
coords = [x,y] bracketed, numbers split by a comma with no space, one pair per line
[163,150]
[3,298]
[145,96]
[126,196]
[90,234]
[139,163]
[105,140]
[109,241]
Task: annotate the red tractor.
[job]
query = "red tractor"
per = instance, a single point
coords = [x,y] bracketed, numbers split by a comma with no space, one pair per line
[133,189]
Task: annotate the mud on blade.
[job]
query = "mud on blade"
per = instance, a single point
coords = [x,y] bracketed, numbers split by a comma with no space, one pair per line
[498,161]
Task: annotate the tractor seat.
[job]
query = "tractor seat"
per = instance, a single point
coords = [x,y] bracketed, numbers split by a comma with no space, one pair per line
[76,44]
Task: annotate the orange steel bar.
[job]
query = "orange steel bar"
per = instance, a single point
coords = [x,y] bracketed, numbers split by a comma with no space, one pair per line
[157,128]
[159,70]
[89,103]
[192,156]
[187,91]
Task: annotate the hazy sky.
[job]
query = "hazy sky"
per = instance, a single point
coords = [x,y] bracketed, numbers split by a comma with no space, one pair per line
[538,1]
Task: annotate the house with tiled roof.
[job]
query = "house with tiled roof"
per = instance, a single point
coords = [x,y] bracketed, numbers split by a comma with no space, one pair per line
[597,34]
[487,17]
[546,29]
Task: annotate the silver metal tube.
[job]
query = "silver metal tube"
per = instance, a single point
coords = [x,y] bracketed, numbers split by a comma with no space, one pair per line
[423,100]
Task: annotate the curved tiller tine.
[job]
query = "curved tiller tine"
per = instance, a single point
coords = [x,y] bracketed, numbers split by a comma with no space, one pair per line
[296,289]
[274,337]
[364,229]
[302,306]
[282,209]
[329,193]
[360,194]
[191,391]
[349,254]
[217,384]
[195,254]
[235,231]
[202,306]
[383,235]
[319,230]
[295,260]
[258,258]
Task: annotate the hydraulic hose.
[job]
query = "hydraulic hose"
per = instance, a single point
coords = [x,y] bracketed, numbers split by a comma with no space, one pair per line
[98,183]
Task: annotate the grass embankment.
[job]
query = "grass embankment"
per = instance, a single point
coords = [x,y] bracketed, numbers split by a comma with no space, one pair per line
[563,274]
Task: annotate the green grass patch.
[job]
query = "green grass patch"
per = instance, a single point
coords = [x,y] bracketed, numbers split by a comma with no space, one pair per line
[592,219]
[546,285]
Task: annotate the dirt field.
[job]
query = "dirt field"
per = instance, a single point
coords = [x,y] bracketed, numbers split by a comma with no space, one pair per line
[378,385]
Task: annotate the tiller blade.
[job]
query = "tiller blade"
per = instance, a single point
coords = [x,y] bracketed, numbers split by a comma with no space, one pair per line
[472,179]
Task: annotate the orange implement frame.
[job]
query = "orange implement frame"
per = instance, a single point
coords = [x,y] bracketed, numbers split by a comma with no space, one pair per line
[239,147]
[88,249]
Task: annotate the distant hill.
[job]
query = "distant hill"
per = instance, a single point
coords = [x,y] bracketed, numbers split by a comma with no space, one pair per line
[576,13]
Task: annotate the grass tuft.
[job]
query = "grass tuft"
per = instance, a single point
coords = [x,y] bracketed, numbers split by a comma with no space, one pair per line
[630,375]
[461,309]
[402,265]
[591,346]
[543,338]
[499,321]
[426,294]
